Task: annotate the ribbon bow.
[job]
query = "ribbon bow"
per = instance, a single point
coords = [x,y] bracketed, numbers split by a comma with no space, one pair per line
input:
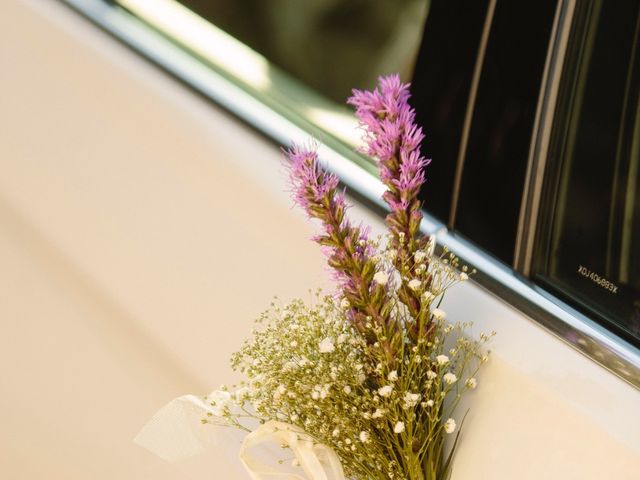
[176,432]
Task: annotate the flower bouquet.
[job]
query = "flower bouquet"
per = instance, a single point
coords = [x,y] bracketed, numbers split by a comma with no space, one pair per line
[364,382]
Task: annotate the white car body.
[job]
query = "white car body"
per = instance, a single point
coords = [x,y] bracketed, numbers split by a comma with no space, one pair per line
[141,232]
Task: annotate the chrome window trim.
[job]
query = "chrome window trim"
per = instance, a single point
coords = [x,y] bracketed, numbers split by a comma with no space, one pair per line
[283,125]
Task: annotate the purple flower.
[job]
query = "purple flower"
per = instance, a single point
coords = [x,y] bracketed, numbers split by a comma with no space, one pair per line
[314,189]
[392,136]
[347,247]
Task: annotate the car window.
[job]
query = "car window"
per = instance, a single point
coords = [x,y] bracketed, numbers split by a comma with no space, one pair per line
[330,45]
[589,248]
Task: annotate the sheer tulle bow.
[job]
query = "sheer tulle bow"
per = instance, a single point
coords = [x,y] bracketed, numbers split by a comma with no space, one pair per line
[176,432]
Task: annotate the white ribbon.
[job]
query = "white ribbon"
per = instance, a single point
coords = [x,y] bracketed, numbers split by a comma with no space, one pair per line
[318,461]
[176,432]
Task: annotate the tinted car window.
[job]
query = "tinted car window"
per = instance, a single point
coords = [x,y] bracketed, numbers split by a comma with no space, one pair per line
[498,148]
[330,45]
[590,242]
[440,86]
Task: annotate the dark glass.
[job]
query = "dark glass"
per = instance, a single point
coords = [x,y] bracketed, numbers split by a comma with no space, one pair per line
[498,147]
[589,246]
[330,45]
[440,87]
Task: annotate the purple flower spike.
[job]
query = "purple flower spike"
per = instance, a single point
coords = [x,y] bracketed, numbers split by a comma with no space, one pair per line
[392,136]
[347,247]
[314,189]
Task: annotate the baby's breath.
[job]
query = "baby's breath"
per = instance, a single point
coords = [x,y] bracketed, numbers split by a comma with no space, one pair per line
[385,417]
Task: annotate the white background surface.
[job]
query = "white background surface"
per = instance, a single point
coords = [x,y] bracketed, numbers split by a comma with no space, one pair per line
[141,232]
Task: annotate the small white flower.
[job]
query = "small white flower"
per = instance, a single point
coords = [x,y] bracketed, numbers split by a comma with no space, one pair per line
[364,436]
[431,374]
[472,383]
[429,403]
[342,338]
[344,303]
[347,441]
[439,314]
[449,378]
[327,346]
[399,427]
[427,296]
[450,425]
[347,389]
[315,394]
[381,278]
[393,375]
[293,344]
[463,277]
[415,284]
[378,413]
[335,432]
[442,360]
[385,391]
[419,256]
[324,391]
[294,417]
[411,399]
[287,367]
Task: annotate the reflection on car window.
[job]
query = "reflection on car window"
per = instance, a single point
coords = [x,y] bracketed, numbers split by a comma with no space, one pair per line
[330,45]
